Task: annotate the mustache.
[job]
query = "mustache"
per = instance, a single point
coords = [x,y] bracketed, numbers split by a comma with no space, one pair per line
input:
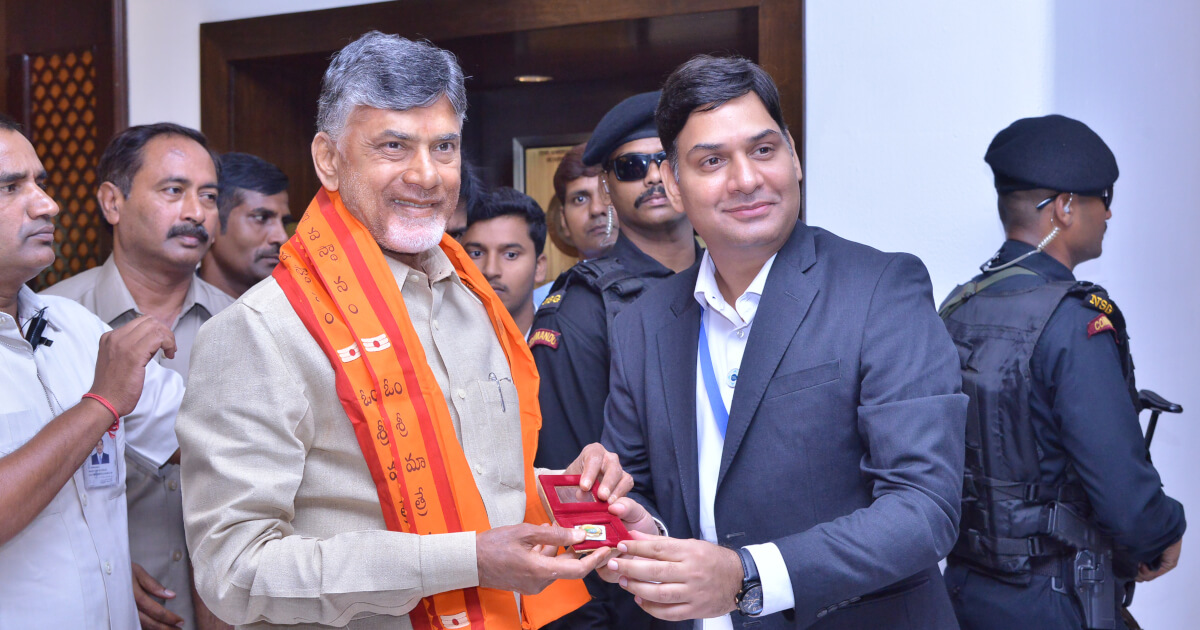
[37,226]
[266,252]
[657,189]
[748,200]
[417,194]
[189,229]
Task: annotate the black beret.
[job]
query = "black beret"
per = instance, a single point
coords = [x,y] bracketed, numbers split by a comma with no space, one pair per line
[1053,152]
[632,119]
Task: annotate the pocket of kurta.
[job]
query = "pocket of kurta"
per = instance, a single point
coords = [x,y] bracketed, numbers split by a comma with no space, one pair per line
[502,432]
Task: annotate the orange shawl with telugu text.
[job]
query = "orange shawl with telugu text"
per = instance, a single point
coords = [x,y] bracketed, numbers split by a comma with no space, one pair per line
[335,276]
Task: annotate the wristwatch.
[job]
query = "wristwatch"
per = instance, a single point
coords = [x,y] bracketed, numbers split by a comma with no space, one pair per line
[750,598]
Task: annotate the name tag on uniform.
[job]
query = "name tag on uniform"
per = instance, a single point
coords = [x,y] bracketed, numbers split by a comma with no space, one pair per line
[100,467]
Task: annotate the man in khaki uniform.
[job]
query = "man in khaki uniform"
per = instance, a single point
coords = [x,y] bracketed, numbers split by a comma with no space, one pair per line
[158,190]
[290,511]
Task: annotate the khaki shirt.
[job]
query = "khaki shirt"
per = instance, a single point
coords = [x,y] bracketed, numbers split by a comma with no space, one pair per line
[156,538]
[283,518]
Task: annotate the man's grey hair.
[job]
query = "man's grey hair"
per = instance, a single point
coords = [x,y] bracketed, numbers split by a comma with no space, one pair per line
[387,72]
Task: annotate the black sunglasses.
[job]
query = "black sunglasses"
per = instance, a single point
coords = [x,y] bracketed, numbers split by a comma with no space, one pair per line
[1106,196]
[632,167]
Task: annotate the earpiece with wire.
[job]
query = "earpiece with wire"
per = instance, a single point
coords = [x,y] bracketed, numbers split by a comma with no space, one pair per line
[608,227]
[986,268]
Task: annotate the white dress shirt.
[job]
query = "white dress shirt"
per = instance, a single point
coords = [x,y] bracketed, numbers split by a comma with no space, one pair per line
[69,568]
[728,329]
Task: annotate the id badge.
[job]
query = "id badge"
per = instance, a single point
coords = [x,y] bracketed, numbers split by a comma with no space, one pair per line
[100,467]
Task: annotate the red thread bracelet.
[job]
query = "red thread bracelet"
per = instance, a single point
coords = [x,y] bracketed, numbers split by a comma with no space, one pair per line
[107,405]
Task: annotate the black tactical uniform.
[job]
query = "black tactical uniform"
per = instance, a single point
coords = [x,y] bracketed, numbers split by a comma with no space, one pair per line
[1088,442]
[1060,501]
[569,340]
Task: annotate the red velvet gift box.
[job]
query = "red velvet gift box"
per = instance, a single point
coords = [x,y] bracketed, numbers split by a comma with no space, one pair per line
[572,507]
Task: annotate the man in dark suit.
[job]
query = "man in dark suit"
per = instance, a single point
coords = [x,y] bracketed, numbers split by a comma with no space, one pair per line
[820,487]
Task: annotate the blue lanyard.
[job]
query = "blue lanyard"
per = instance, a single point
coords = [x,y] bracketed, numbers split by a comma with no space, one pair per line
[713,391]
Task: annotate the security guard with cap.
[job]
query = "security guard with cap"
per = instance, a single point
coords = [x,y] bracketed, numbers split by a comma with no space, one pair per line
[569,338]
[1062,509]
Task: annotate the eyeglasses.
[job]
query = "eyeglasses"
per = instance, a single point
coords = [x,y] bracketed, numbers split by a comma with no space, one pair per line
[631,167]
[1106,196]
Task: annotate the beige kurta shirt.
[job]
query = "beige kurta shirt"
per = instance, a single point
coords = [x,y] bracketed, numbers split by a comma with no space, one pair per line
[156,539]
[283,519]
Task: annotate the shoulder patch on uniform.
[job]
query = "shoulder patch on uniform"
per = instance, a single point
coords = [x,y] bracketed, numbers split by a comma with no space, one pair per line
[553,298]
[545,337]
[1099,303]
[1099,325]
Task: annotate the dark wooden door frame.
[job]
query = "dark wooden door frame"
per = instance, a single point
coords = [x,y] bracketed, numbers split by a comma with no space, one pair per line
[222,44]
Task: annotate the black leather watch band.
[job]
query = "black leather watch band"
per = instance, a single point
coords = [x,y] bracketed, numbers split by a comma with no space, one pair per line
[749,599]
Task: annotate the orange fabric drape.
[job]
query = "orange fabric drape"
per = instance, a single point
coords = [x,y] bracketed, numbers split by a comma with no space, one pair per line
[337,279]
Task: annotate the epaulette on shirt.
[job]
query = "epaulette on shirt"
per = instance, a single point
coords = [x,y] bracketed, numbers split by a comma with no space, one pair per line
[552,301]
[545,336]
[1110,319]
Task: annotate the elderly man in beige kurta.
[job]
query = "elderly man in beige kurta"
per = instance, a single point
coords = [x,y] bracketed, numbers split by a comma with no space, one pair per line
[262,425]
[283,517]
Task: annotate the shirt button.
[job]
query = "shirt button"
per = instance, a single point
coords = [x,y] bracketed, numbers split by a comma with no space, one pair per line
[83,499]
[478,469]
[177,556]
[172,485]
[413,278]
[741,333]
[435,325]
[462,395]
[108,567]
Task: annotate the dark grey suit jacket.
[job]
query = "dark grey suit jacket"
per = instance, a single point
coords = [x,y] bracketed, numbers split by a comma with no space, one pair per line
[845,438]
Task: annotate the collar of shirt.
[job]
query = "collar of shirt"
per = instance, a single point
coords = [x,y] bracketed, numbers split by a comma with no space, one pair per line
[28,305]
[639,262]
[114,301]
[1041,263]
[708,294]
[431,263]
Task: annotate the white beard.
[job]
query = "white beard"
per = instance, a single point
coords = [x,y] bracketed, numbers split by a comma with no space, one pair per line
[406,235]
[397,232]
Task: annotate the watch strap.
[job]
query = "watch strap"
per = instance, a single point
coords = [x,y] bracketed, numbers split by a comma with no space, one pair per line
[749,569]
[749,598]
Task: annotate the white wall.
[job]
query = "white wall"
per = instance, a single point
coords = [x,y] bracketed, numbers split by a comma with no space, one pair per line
[1132,72]
[902,100]
[164,50]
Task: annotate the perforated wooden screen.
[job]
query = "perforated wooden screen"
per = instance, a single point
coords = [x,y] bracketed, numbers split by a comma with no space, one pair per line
[60,92]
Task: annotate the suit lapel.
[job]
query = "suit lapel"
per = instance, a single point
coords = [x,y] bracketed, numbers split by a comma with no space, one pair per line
[786,298]
[677,355]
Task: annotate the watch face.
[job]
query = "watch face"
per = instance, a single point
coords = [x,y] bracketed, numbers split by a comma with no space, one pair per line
[751,603]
